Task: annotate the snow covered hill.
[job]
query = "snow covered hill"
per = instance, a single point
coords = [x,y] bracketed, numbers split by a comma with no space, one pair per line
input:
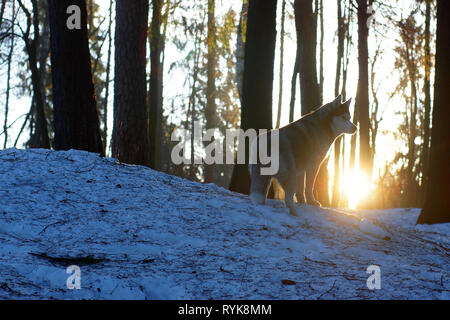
[140,234]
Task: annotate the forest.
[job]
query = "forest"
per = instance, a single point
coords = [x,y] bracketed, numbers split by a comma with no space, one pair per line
[106,90]
[146,107]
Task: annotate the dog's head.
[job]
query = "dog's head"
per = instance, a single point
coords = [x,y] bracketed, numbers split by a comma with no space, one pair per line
[340,116]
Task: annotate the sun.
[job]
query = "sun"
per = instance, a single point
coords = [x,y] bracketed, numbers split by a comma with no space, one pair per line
[356,187]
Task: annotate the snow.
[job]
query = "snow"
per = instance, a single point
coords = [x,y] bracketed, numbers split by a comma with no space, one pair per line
[136,233]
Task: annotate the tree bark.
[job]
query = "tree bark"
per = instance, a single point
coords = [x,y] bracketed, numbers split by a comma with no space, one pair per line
[8,72]
[40,138]
[294,87]
[256,109]
[75,106]
[362,95]
[337,144]
[2,11]
[130,140]
[240,48]
[211,112]
[156,85]
[108,79]
[280,93]
[437,202]
[427,103]
[306,29]
[319,9]
[305,25]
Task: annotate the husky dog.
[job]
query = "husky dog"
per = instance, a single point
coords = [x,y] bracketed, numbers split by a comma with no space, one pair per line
[303,145]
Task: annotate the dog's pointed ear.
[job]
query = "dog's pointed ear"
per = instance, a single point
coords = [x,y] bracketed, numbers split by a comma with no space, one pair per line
[347,103]
[338,100]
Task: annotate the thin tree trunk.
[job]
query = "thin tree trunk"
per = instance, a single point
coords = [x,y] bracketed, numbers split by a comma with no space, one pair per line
[75,107]
[337,144]
[362,96]
[130,132]
[437,202]
[240,48]
[410,197]
[8,72]
[44,52]
[427,103]
[24,122]
[90,17]
[294,86]
[342,196]
[320,9]
[353,138]
[40,138]
[2,12]
[108,80]
[306,45]
[280,93]
[353,141]
[306,29]
[211,112]
[192,103]
[156,85]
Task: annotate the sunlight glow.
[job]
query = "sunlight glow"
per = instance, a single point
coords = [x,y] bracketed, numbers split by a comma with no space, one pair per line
[356,187]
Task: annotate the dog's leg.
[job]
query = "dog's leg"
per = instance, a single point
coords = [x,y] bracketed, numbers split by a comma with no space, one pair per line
[300,193]
[290,187]
[310,179]
[259,186]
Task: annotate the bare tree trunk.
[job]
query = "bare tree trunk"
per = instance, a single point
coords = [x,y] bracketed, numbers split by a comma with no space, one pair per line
[75,106]
[362,96]
[320,10]
[410,197]
[437,201]
[343,201]
[306,29]
[294,86]
[108,80]
[337,144]
[44,53]
[306,45]
[2,11]
[240,48]
[156,85]
[322,179]
[90,17]
[40,138]
[427,103]
[8,72]
[256,110]
[24,122]
[130,132]
[280,93]
[192,103]
[353,141]
[211,112]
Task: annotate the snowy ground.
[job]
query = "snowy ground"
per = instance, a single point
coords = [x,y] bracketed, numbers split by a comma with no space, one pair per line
[140,234]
